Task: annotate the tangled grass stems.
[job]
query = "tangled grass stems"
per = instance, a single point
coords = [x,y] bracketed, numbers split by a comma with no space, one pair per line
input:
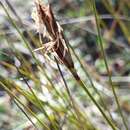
[91,82]
[44,72]
[31,90]
[80,82]
[79,115]
[63,55]
[29,48]
[6,82]
[33,55]
[17,104]
[28,109]
[45,18]
[116,15]
[106,64]
[68,92]
[39,102]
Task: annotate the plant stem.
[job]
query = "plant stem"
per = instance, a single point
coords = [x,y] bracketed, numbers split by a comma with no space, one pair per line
[91,82]
[106,64]
[73,103]
[25,114]
[80,82]
[28,109]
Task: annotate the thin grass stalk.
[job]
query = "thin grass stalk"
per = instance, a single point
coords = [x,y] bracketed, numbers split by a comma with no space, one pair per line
[58,45]
[29,50]
[113,40]
[58,93]
[106,64]
[70,96]
[26,115]
[80,82]
[19,32]
[12,9]
[122,25]
[89,77]
[67,89]
[31,90]
[20,21]
[41,107]
[91,82]
[40,104]
[15,51]
[41,43]
[26,43]
[28,109]
[19,56]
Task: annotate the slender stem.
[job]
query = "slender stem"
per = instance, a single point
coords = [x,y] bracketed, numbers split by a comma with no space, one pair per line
[80,82]
[73,104]
[91,82]
[87,74]
[25,114]
[106,64]
[29,48]
[28,109]
[39,102]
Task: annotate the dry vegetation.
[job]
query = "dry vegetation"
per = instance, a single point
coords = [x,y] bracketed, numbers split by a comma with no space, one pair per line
[64,65]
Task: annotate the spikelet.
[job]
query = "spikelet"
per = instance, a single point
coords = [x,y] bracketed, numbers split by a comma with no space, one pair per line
[45,20]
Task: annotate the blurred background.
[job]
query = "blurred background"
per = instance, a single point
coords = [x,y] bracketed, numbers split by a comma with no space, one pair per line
[31,85]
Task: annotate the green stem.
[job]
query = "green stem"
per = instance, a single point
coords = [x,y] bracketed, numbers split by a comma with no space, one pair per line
[73,103]
[28,109]
[105,60]
[29,48]
[80,82]
[91,82]
[25,114]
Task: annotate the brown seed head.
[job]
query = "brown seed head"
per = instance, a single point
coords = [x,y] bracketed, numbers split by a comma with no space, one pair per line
[57,42]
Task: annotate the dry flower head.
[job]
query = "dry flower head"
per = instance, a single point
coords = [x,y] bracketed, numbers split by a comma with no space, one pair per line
[48,26]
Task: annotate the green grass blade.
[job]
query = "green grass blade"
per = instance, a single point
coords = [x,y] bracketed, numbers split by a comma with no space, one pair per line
[106,64]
